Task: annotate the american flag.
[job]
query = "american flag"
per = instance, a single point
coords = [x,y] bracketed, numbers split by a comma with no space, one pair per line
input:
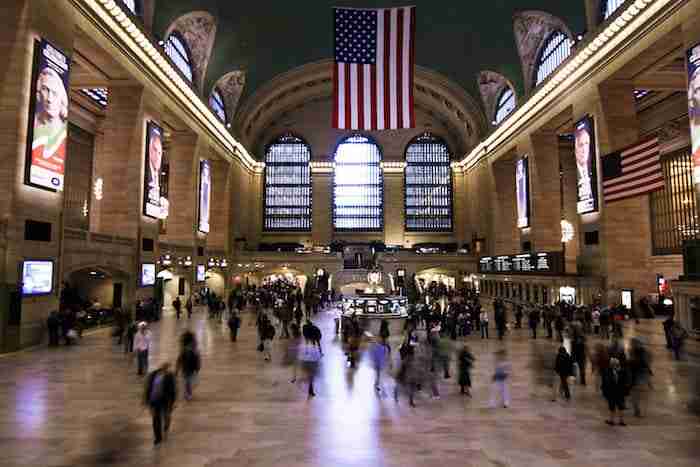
[373,72]
[634,171]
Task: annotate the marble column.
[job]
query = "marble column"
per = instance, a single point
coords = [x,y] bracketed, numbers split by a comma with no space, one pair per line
[505,231]
[394,220]
[322,233]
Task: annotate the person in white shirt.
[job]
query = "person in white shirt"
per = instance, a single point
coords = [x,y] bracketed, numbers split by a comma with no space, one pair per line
[484,324]
[142,343]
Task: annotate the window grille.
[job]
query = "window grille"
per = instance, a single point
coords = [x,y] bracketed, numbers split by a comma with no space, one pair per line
[428,185]
[131,6]
[505,105]
[556,50]
[98,95]
[358,191]
[216,103]
[178,52]
[287,185]
[610,6]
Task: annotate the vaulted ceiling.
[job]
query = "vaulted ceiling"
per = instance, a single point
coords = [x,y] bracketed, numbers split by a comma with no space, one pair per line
[457,39]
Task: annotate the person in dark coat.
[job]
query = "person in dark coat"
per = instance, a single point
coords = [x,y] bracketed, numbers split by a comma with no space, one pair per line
[160,395]
[53,323]
[177,304]
[614,387]
[564,367]
[465,362]
[234,324]
[580,354]
[384,331]
[534,321]
[189,363]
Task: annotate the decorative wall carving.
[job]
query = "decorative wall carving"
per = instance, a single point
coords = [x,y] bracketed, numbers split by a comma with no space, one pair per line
[198,28]
[531,29]
[231,86]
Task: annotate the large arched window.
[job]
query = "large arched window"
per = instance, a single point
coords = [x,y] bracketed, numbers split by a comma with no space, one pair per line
[609,7]
[505,104]
[287,185]
[216,103]
[358,190]
[428,182]
[177,50]
[557,48]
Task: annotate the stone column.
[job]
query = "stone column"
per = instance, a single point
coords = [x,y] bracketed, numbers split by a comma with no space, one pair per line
[394,221]
[480,206]
[218,238]
[505,231]
[459,207]
[569,193]
[183,187]
[322,233]
[542,149]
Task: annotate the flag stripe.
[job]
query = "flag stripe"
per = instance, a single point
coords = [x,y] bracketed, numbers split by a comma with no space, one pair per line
[373,81]
[634,171]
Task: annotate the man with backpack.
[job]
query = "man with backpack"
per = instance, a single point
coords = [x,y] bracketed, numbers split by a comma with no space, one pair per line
[159,395]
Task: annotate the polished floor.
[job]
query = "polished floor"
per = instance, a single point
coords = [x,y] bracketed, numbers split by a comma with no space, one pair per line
[80,406]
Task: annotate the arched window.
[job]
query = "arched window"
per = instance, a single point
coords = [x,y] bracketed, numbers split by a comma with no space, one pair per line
[358,190]
[505,104]
[287,185]
[428,182]
[178,52]
[557,48]
[132,5]
[609,7]
[216,103]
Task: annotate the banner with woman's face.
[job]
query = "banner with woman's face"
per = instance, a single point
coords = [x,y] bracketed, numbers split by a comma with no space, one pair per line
[586,174]
[693,65]
[48,119]
[155,201]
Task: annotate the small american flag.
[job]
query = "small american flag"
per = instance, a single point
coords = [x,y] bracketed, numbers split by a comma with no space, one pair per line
[634,171]
[373,72]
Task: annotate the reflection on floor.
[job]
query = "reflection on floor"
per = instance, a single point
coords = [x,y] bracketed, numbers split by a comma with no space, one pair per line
[80,406]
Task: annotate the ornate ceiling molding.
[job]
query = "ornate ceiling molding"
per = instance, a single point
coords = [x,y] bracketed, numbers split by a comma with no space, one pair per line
[198,28]
[532,28]
[491,84]
[437,95]
[231,86]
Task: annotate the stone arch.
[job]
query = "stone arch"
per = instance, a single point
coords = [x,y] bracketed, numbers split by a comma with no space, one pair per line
[198,29]
[231,86]
[531,29]
[491,85]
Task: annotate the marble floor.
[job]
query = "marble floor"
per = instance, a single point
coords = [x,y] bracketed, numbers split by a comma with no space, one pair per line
[80,406]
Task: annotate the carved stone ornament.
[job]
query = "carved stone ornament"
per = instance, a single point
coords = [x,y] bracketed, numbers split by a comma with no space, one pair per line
[231,86]
[491,85]
[198,28]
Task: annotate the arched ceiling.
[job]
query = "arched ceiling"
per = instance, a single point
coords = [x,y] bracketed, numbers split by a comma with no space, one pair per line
[453,38]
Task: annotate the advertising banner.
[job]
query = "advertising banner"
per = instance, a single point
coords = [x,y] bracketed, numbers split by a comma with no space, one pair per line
[693,66]
[522,191]
[586,172]
[204,195]
[155,201]
[48,118]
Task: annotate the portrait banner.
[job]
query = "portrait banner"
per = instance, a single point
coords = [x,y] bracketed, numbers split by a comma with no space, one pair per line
[586,171]
[693,67]
[155,201]
[48,118]
[522,192]
[204,195]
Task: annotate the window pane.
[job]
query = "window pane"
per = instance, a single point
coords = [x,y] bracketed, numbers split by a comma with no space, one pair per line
[428,182]
[358,190]
[176,50]
[506,104]
[673,210]
[287,185]
[556,50]
[610,6]
[131,5]
[99,95]
[216,103]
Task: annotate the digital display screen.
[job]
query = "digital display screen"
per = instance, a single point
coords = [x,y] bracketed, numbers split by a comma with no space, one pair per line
[586,174]
[204,195]
[148,274]
[522,192]
[693,66]
[155,184]
[201,273]
[37,277]
[48,118]
[550,263]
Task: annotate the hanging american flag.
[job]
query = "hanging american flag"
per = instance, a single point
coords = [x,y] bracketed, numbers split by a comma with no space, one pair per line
[634,171]
[373,72]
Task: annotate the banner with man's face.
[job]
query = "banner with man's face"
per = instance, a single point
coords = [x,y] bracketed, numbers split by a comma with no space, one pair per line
[48,118]
[693,65]
[155,201]
[522,192]
[204,195]
[586,174]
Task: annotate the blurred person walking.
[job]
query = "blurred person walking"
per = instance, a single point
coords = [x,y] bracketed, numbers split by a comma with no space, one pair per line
[564,367]
[142,343]
[189,363]
[639,365]
[614,388]
[160,395]
[465,362]
[501,376]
